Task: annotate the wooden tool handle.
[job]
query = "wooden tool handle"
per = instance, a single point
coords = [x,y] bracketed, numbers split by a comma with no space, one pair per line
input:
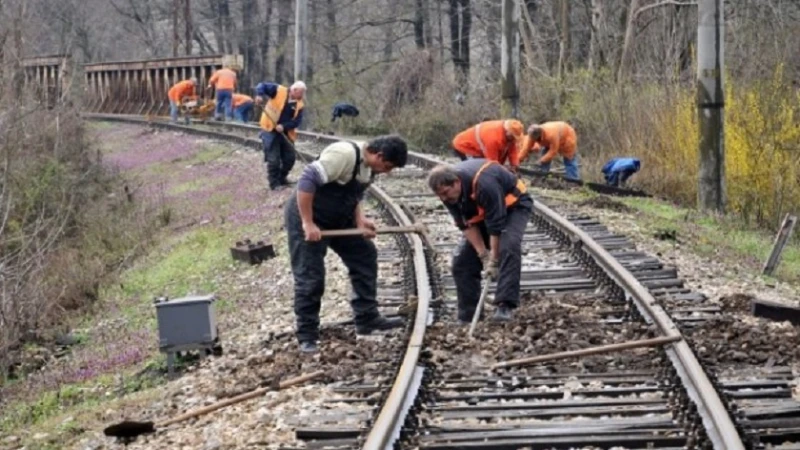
[589,351]
[479,308]
[384,230]
[240,398]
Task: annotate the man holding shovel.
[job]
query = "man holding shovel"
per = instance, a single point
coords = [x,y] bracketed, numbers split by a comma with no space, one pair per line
[328,197]
[282,115]
[491,207]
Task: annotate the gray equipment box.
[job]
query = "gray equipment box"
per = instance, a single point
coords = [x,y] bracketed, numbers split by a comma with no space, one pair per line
[186,323]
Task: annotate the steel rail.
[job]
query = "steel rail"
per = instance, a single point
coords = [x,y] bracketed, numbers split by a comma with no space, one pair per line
[385,428]
[718,424]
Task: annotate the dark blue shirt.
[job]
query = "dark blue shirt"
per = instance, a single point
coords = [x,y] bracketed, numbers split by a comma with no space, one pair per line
[493,185]
[286,119]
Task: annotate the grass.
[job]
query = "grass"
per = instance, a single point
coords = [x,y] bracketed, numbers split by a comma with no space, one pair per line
[718,236]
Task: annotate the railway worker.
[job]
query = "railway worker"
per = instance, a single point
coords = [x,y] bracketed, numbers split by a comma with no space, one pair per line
[224,82]
[550,139]
[491,207]
[242,107]
[328,196]
[282,115]
[180,91]
[495,140]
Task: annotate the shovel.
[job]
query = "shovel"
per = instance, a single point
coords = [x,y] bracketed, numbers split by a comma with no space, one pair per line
[486,282]
[128,430]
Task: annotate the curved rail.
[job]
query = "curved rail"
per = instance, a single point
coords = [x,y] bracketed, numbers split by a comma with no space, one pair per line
[718,424]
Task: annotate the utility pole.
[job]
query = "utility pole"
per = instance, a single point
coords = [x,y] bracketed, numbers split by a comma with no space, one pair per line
[509,59]
[710,105]
[301,40]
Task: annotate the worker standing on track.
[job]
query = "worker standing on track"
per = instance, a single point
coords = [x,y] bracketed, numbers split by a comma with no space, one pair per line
[242,107]
[495,140]
[328,196]
[491,207]
[177,93]
[550,139]
[283,114]
[224,82]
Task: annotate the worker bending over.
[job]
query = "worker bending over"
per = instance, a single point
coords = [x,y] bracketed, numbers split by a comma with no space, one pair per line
[283,114]
[242,107]
[491,207]
[328,197]
[550,139]
[180,91]
[224,82]
[495,140]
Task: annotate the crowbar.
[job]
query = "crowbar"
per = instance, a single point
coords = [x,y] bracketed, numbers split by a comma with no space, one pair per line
[589,351]
[416,228]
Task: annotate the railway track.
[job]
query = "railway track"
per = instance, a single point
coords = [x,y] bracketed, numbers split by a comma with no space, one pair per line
[584,286]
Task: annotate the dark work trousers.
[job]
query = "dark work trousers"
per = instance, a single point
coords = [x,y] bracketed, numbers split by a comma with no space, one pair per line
[467,266]
[334,208]
[279,156]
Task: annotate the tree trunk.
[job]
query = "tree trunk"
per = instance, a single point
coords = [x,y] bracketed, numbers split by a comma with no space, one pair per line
[565,41]
[217,30]
[284,42]
[493,32]
[510,59]
[247,45]
[187,17]
[460,27]
[265,40]
[228,27]
[419,22]
[176,38]
[596,54]
[333,46]
[626,42]
[388,32]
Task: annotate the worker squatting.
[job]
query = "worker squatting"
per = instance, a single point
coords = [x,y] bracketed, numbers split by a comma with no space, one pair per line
[488,202]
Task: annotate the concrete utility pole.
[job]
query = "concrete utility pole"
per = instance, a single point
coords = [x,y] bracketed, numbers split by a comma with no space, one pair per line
[301,40]
[710,105]
[509,59]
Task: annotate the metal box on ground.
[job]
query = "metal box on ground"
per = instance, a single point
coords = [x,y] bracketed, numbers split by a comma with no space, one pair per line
[251,253]
[188,323]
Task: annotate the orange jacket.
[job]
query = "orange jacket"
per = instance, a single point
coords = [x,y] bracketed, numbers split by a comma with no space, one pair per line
[241,99]
[557,137]
[488,140]
[181,89]
[223,79]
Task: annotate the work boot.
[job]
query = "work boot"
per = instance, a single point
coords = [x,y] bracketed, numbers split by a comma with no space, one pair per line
[465,318]
[380,323]
[308,347]
[502,314]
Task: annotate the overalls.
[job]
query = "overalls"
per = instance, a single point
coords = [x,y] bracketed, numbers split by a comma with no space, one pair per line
[334,208]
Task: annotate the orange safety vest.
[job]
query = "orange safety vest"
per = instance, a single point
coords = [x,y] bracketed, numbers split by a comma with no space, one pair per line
[510,200]
[273,109]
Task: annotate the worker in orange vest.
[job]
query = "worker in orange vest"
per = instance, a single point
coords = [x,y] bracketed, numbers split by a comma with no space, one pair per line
[224,82]
[177,93]
[242,107]
[283,114]
[491,206]
[550,139]
[495,140]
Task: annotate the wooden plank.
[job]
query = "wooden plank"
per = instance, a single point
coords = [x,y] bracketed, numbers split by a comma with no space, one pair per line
[775,311]
[780,242]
